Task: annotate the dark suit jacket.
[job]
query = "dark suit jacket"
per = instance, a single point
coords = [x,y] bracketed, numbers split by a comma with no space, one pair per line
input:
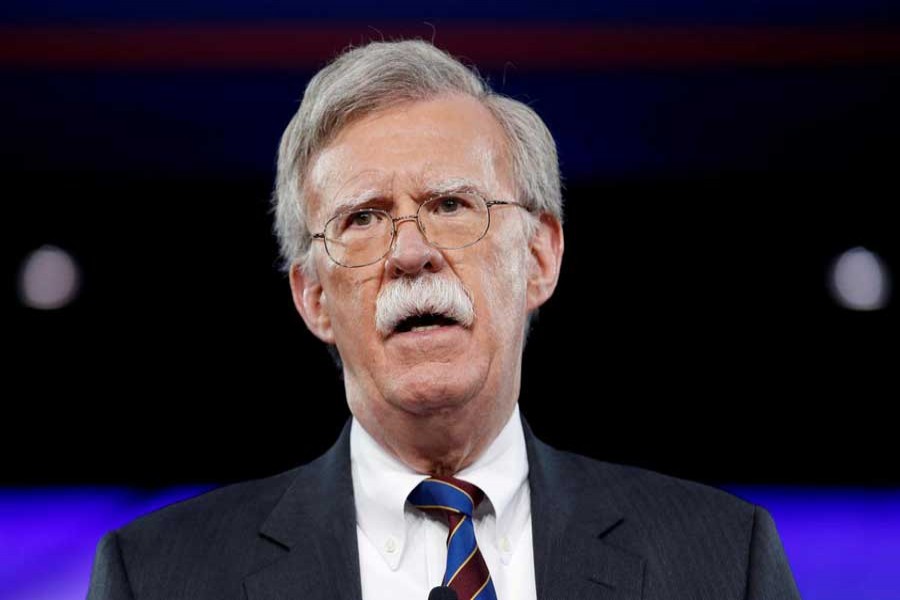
[600,531]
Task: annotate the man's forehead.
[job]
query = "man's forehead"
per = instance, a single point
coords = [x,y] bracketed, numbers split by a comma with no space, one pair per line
[432,179]
[411,150]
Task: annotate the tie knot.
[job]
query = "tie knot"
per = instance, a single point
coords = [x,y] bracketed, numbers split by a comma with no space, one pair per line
[446,494]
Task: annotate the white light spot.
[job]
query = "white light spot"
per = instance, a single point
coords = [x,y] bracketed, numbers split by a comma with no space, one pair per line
[860,280]
[48,279]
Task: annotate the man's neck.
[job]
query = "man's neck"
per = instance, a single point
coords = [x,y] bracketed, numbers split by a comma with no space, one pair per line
[437,444]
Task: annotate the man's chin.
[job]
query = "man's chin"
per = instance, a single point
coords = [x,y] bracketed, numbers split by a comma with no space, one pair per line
[437,403]
[433,390]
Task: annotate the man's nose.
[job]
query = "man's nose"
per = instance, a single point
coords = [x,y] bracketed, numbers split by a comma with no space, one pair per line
[412,253]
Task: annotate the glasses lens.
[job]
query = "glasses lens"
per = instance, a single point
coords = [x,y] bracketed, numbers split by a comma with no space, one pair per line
[454,220]
[358,237]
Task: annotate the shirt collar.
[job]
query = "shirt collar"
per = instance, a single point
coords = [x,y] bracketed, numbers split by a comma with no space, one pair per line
[502,469]
[381,484]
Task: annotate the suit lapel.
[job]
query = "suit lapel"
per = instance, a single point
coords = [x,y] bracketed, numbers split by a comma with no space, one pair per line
[570,522]
[314,523]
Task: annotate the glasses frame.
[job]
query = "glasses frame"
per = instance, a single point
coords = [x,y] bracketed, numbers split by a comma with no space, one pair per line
[395,220]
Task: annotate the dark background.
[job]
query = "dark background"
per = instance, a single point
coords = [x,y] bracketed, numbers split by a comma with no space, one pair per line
[709,185]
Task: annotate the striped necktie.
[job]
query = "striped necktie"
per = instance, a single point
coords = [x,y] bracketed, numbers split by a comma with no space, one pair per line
[466,573]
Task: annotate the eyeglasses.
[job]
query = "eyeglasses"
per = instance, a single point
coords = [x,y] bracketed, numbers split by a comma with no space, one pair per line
[364,236]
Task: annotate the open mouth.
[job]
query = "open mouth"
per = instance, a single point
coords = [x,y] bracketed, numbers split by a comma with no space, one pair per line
[424,323]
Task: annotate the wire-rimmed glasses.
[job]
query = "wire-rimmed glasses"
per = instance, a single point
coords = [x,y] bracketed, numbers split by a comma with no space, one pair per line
[363,236]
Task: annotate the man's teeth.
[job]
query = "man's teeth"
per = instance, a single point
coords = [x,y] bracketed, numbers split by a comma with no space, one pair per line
[424,327]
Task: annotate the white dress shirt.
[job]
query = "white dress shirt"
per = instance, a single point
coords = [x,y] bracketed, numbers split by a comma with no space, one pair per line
[403,551]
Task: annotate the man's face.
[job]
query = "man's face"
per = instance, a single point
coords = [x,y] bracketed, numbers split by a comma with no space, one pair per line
[394,160]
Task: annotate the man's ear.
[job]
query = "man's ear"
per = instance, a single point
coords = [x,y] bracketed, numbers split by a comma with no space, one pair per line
[310,301]
[546,248]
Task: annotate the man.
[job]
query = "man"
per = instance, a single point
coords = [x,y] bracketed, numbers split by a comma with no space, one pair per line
[420,221]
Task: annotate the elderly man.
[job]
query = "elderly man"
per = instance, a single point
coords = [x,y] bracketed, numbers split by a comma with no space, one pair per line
[420,220]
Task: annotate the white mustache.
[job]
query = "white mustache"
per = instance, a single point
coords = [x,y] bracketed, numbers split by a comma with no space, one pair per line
[427,294]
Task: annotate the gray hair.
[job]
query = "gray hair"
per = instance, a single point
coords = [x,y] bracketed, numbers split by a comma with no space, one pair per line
[380,75]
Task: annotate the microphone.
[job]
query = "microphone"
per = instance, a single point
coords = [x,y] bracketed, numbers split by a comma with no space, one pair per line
[443,593]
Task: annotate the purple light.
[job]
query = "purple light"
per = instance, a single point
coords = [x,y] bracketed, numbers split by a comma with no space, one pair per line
[842,543]
[48,535]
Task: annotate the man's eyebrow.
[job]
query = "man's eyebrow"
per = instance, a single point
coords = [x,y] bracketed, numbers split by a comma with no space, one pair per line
[445,186]
[456,184]
[357,199]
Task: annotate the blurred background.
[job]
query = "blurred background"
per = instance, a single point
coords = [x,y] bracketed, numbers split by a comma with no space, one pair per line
[725,312]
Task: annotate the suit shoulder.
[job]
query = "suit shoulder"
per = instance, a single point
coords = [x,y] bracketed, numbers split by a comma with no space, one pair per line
[205,546]
[207,519]
[658,495]
[215,534]
[690,539]
[692,535]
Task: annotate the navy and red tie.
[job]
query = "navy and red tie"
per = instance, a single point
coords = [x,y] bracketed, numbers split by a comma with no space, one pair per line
[466,572]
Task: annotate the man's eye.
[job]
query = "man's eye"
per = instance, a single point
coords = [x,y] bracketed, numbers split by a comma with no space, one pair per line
[450,205]
[360,220]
